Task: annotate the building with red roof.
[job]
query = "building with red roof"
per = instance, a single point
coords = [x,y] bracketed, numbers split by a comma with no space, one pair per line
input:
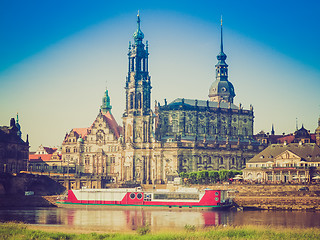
[47,159]
[93,150]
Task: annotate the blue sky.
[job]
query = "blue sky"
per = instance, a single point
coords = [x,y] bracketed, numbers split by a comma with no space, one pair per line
[56,57]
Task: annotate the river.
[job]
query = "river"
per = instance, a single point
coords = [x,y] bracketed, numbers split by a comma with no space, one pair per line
[117,220]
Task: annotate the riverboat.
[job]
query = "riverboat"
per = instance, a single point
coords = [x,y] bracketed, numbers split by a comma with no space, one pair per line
[160,198]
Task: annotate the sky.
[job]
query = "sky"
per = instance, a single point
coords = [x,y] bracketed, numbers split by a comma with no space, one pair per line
[57,58]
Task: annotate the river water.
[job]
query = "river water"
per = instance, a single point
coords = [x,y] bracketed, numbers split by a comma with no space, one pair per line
[117,220]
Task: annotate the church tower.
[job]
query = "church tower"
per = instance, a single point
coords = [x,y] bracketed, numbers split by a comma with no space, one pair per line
[106,104]
[221,90]
[137,118]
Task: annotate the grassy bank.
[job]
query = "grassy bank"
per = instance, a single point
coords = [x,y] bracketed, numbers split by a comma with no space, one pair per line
[21,231]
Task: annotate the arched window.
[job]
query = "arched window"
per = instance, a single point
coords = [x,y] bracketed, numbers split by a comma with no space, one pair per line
[139,101]
[244,131]
[131,100]
[200,160]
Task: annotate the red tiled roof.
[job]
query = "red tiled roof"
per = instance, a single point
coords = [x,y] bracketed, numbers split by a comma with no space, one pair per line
[39,157]
[113,124]
[81,131]
[288,139]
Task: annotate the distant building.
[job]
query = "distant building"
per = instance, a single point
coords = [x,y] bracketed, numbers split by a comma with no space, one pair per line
[47,159]
[285,163]
[300,135]
[13,150]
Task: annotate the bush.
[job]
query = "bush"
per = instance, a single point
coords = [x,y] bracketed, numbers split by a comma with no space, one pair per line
[190,228]
[144,230]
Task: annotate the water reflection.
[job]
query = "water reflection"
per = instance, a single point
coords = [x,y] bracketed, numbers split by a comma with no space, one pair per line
[159,219]
[132,219]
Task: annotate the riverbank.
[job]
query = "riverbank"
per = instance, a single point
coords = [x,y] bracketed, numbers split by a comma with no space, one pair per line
[288,203]
[22,231]
[20,201]
[273,197]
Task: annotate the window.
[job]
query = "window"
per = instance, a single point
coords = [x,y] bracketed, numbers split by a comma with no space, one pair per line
[176,196]
[175,126]
[131,100]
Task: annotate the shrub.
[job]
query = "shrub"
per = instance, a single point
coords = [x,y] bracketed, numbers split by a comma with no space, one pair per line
[144,230]
[190,228]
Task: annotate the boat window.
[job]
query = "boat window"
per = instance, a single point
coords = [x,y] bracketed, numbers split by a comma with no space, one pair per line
[139,195]
[176,196]
[132,195]
[216,193]
[216,198]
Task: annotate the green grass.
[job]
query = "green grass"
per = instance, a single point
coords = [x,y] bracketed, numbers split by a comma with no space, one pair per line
[17,231]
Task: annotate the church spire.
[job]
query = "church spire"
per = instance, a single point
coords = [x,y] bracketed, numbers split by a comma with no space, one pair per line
[221,56]
[221,89]
[272,130]
[106,104]
[221,43]
[138,35]
[18,126]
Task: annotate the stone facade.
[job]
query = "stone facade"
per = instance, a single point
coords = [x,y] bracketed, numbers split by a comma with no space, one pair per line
[96,149]
[298,162]
[14,151]
[185,135]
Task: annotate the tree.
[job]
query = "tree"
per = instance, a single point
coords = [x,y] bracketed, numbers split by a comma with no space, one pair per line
[223,175]
[202,176]
[213,176]
[193,177]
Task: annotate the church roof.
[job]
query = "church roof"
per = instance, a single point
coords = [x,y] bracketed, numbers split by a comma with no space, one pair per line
[113,124]
[307,151]
[302,133]
[192,103]
[50,150]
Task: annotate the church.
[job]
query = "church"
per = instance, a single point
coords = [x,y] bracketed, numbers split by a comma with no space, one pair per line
[154,146]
